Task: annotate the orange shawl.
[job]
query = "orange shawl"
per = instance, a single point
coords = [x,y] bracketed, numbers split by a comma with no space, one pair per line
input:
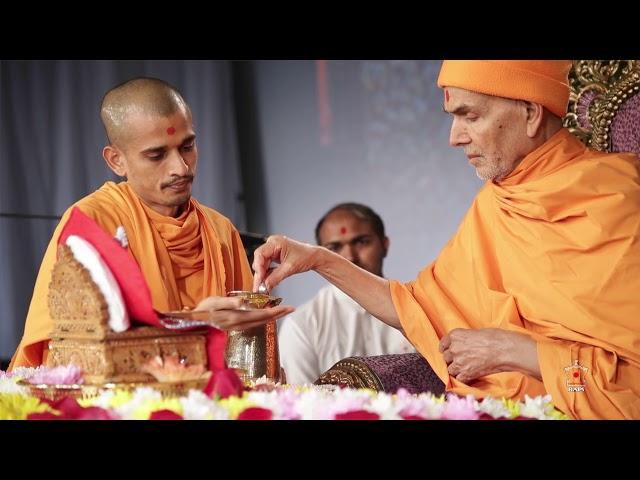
[183,259]
[551,251]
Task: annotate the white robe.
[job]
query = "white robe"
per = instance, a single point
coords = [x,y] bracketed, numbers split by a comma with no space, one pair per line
[328,328]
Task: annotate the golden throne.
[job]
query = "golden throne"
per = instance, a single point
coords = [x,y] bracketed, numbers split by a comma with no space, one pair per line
[604,105]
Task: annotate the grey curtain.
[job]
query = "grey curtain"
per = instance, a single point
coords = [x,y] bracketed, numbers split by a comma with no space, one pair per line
[51,140]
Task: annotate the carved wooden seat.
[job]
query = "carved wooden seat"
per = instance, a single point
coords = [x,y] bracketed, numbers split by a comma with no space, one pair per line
[604,105]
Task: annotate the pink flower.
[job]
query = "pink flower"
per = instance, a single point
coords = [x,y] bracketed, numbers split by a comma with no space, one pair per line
[255,413]
[347,401]
[459,408]
[60,375]
[224,383]
[410,406]
[287,402]
[357,415]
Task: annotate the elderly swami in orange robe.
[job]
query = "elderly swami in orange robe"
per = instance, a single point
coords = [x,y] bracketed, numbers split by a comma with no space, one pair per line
[539,289]
[190,255]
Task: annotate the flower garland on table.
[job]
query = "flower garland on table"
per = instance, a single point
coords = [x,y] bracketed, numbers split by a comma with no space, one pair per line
[225,398]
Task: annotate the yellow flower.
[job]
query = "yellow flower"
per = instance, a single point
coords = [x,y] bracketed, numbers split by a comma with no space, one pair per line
[14,406]
[120,397]
[235,405]
[513,406]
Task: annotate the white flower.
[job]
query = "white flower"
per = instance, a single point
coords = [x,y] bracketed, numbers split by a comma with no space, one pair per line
[9,385]
[140,396]
[198,406]
[314,405]
[432,406]
[103,400]
[384,405]
[539,407]
[349,399]
[408,404]
[495,408]
[121,236]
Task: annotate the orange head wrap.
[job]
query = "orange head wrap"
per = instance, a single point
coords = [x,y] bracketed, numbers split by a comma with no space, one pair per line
[538,81]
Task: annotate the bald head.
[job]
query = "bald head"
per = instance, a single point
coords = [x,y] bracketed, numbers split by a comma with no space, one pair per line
[140,96]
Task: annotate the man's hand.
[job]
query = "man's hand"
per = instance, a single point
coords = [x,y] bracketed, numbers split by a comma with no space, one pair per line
[230,313]
[471,354]
[293,257]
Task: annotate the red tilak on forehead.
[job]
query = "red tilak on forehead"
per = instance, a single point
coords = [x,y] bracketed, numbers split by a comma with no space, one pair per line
[446,96]
[343,230]
[171,130]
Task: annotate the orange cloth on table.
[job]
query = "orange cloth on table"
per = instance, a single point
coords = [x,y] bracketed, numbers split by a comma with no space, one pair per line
[183,260]
[551,251]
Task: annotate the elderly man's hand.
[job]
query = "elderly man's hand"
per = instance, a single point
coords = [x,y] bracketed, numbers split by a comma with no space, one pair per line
[293,257]
[471,354]
[229,313]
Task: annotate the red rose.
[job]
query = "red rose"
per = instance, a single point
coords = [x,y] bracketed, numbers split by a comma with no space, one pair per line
[224,383]
[357,415]
[70,409]
[165,415]
[255,413]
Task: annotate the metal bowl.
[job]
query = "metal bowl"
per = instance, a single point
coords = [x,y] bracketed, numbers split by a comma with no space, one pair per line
[256,300]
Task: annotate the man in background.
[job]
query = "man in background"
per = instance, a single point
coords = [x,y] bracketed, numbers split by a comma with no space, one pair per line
[332,326]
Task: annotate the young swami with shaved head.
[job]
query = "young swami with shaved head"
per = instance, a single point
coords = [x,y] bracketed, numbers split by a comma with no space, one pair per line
[189,254]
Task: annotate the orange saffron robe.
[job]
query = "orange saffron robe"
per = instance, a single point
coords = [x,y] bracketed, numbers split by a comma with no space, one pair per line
[183,260]
[551,251]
